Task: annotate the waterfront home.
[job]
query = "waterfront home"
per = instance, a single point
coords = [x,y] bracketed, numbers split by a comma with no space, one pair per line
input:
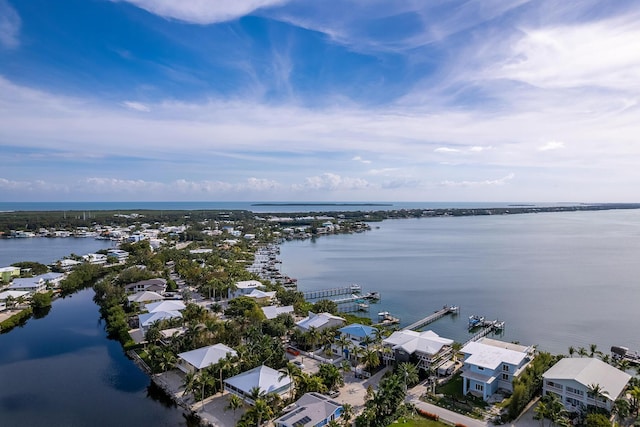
[8,273]
[491,365]
[13,294]
[67,264]
[358,335]
[52,279]
[30,284]
[320,321]
[118,253]
[200,358]
[145,297]
[146,320]
[152,285]
[266,379]
[426,349]
[573,379]
[312,409]
[97,259]
[245,287]
[262,297]
[166,305]
[273,311]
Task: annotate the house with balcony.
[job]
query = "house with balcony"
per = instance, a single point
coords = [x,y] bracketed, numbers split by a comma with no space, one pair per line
[573,381]
[491,365]
[426,349]
[158,285]
[30,284]
[357,335]
[245,287]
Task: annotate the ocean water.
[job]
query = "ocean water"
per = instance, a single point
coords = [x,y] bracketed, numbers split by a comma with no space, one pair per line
[48,250]
[556,279]
[61,370]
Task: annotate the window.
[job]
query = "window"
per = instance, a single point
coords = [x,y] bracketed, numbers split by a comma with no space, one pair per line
[479,387]
[480,368]
[505,377]
[505,368]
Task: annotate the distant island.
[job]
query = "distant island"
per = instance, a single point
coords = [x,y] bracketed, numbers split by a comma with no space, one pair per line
[321,204]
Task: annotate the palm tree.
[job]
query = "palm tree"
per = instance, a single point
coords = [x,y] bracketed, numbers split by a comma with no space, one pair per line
[261,411]
[621,408]
[596,392]
[635,400]
[330,375]
[313,335]
[624,365]
[371,359]
[582,351]
[572,350]
[541,412]
[592,349]
[224,364]
[293,372]
[234,403]
[409,374]
[343,341]
[190,383]
[347,413]
[368,340]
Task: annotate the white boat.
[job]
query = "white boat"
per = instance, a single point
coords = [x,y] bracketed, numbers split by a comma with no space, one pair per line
[355,288]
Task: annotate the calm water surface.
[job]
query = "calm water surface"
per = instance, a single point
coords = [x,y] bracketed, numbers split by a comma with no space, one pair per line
[47,250]
[61,370]
[557,279]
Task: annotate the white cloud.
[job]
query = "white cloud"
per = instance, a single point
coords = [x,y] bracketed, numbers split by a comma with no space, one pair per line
[479,149]
[446,150]
[10,23]
[332,182]
[137,106]
[601,54]
[203,11]
[551,145]
[361,160]
[488,182]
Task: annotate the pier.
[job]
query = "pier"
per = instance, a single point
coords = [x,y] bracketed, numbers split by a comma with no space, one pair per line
[433,317]
[487,328]
[332,292]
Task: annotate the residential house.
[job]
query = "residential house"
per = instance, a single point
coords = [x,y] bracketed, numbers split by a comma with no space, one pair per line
[67,264]
[245,287]
[98,259]
[195,360]
[358,336]
[145,297]
[30,284]
[52,279]
[146,320]
[491,365]
[312,409]
[273,311]
[572,380]
[320,321]
[426,349]
[165,305]
[266,379]
[152,285]
[262,297]
[118,253]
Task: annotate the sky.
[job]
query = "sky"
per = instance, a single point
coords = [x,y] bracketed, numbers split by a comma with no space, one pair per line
[332,100]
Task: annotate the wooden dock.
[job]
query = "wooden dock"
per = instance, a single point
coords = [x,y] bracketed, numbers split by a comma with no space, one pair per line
[432,317]
[488,327]
[332,292]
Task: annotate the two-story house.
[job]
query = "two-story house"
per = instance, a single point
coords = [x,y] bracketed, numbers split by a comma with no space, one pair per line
[427,349]
[491,365]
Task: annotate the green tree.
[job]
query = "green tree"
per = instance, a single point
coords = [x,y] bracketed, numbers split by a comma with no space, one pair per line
[597,420]
[331,376]
[41,300]
[234,403]
[409,374]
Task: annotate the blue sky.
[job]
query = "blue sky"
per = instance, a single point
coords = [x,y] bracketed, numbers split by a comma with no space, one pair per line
[372,100]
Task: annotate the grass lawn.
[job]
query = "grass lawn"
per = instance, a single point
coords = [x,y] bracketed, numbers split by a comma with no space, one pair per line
[417,421]
[453,388]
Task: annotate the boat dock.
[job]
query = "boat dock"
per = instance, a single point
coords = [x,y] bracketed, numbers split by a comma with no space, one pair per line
[620,353]
[332,292]
[433,317]
[386,319]
[490,326]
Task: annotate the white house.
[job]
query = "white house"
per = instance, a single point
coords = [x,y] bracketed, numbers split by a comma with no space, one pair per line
[266,379]
[490,365]
[158,285]
[52,279]
[145,297]
[118,253]
[262,297]
[571,380]
[148,319]
[30,284]
[245,287]
[97,259]
[194,360]
[273,311]
[312,409]
[320,321]
[427,349]
[166,305]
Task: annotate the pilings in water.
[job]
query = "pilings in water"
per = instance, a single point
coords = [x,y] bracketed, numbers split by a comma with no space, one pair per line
[332,292]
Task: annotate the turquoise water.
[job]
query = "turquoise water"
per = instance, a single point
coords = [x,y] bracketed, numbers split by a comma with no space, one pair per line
[557,279]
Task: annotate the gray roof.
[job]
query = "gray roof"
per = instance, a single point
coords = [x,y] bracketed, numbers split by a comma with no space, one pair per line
[587,371]
[206,356]
[264,377]
[312,408]
[491,356]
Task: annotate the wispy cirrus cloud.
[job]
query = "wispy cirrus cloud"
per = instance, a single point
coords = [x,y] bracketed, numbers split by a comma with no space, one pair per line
[486,182]
[203,11]
[10,24]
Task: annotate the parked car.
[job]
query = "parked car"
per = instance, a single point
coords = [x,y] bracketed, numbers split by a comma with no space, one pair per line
[333,393]
[298,364]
